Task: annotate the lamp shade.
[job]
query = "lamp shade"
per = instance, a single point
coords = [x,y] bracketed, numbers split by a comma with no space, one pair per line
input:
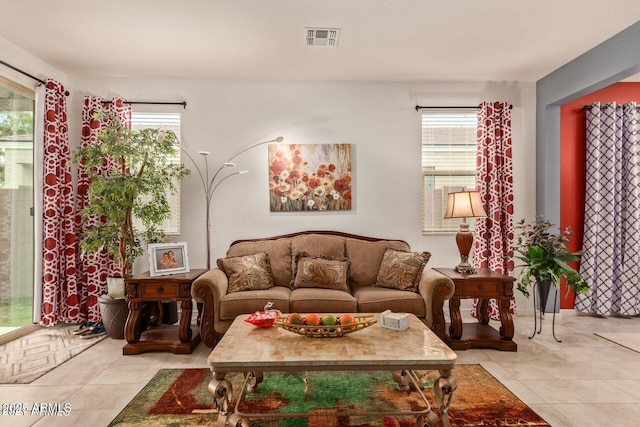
[464,204]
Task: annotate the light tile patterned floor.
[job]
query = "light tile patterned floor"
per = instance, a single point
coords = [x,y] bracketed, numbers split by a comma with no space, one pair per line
[583,381]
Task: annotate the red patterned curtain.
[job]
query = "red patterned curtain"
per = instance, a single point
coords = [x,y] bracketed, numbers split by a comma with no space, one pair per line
[61,296]
[95,267]
[493,235]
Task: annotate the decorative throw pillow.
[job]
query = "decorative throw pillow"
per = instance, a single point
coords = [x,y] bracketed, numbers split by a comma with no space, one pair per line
[401,270]
[247,273]
[312,271]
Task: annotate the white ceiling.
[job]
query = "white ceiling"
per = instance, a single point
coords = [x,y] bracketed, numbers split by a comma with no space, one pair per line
[389,40]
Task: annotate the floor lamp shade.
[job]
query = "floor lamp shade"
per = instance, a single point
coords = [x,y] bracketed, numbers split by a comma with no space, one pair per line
[464,204]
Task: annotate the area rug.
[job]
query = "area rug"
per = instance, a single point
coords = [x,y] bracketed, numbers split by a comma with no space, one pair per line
[28,358]
[179,397]
[630,340]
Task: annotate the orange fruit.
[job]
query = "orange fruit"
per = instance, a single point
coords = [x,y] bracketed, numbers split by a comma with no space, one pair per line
[312,320]
[347,319]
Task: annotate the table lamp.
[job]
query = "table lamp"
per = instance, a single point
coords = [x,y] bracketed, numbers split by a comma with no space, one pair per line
[464,204]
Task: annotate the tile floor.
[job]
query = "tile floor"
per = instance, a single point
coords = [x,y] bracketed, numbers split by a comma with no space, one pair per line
[583,381]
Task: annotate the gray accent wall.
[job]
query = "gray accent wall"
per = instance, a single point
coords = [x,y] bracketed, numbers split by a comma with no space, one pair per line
[611,61]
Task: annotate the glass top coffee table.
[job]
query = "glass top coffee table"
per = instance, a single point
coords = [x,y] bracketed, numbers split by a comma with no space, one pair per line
[253,351]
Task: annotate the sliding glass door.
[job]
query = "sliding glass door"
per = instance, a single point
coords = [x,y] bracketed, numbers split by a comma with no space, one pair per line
[16,206]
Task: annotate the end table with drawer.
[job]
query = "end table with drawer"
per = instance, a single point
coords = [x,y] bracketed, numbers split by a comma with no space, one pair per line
[141,289]
[483,285]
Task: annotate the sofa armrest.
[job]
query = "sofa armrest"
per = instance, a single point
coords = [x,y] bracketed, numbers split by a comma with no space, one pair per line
[435,288]
[208,290]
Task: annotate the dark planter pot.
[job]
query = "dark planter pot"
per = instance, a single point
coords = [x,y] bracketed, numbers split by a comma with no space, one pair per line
[114,314]
[169,312]
[544,289]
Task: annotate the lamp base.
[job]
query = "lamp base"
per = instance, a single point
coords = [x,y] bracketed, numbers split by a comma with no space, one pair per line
[464,239]
[464,268]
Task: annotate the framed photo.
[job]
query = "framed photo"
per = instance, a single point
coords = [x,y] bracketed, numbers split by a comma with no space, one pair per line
[168,258]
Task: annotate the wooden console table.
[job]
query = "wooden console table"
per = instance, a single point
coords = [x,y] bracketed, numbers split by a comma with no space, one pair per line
[484,285]
[143,288]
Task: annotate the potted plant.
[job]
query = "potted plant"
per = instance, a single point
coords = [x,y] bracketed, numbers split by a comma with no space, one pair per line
[140,173]
[546,257]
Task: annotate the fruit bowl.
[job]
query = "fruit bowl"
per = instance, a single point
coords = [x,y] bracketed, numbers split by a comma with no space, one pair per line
[325,331]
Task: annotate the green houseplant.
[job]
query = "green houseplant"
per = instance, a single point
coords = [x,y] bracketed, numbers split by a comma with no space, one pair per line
[141,172]
[545,257]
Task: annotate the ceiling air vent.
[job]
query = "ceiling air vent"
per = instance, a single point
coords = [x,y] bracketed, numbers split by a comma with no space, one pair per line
[322,36]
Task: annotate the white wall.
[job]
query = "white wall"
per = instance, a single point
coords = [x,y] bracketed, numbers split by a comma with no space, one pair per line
[379,119]
[23,60]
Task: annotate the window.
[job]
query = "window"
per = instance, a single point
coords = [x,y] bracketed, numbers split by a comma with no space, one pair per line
[17,227]
[448,162]
[167,122]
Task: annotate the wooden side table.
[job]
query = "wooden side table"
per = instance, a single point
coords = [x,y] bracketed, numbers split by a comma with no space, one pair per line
[143,288]
[484,285]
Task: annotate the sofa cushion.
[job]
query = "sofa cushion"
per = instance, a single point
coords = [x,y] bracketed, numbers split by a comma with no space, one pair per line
[247,273]
[247,302]
[401,270]
[311,271]
[365,259]
[373,299]
[318,300]
[318,244]
[279,251]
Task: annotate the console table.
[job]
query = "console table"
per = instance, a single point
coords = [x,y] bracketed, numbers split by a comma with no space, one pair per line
[483,285]
[143,288]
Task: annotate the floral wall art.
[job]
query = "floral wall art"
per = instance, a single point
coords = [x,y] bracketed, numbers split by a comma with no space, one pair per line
[309,177]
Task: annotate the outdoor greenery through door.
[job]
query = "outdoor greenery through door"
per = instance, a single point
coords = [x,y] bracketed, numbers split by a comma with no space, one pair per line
[16,207]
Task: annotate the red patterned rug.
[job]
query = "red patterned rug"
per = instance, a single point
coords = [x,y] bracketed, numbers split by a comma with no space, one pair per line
[179,397]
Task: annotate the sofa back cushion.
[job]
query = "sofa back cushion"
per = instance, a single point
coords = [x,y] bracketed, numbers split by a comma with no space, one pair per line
[318,244]
[365,258]
[279,251]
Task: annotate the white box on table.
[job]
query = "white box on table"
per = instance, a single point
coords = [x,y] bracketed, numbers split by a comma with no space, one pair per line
[395,321]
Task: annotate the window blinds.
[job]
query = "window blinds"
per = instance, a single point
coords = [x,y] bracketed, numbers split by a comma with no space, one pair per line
[448,162]
[167,122]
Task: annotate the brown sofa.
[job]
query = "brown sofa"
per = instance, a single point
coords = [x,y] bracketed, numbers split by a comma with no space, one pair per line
[367,291]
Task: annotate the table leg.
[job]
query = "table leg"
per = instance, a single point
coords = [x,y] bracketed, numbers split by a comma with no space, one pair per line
[132,326]
[237,421]
[184,331]
[455,329]
[403,379]
[483,311]
[405,383]
[253,380]
[506,320]
[443,389]
[222,392]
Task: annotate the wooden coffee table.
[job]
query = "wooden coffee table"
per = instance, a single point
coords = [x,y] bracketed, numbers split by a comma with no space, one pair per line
[246,348]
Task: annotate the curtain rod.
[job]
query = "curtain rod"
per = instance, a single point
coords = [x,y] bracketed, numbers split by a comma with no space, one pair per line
[590,106]
[183,103]
[469,107]
[42,82]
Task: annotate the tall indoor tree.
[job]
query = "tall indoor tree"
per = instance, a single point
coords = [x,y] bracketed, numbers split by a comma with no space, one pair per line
[140,173]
